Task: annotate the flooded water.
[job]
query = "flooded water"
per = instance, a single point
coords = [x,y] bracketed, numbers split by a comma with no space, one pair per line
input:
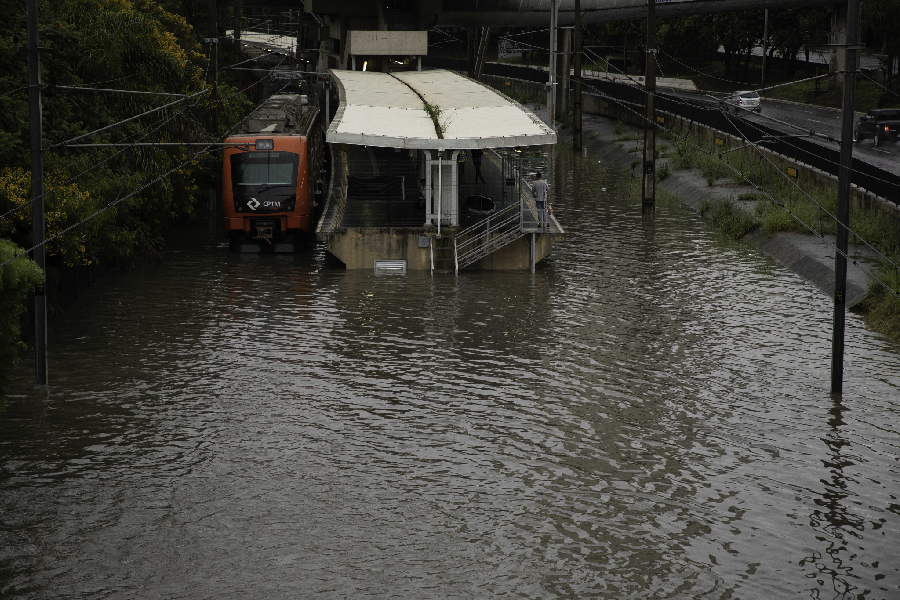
[647,416]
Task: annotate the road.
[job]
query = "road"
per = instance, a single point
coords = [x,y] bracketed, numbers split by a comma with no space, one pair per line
[806,118]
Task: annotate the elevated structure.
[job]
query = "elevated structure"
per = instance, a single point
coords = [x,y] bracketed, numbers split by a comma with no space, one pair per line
[532,13]
[419,158]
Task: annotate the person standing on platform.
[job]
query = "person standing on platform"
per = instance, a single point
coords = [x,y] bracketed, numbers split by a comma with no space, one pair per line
[540,189]
[476,160]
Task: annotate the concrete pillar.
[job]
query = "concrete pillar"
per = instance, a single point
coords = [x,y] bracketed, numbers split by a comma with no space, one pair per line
[563,65]
[838,59]
[441,177]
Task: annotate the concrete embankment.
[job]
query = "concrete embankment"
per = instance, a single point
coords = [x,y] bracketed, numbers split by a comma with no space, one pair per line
[809,256]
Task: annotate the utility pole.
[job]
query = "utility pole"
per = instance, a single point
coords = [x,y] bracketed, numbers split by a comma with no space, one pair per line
[37,193]
[649,187]
[765,41]
[470,48]
[212,74]
[576,108]
[551,86]
[843,213]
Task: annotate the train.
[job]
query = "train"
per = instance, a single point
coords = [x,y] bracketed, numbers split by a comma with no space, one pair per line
[272,171]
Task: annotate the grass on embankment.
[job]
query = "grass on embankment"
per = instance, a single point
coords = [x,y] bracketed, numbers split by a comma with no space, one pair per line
[781,206]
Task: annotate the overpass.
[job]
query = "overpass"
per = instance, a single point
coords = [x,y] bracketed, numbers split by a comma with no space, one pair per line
[535,13]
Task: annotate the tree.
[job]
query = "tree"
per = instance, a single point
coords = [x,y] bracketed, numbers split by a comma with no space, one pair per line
[880,24]
[17,281]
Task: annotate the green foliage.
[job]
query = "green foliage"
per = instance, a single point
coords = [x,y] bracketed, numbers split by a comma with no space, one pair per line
[713,168]
[687,155]
[434,111]
[132,45]
[619,127]
[122,44]
[662,171]
[17,281]
[730,219]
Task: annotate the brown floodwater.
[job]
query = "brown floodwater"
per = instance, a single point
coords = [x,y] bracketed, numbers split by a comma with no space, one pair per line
[647,416]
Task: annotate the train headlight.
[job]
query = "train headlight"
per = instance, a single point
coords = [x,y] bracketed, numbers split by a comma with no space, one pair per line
[265,144]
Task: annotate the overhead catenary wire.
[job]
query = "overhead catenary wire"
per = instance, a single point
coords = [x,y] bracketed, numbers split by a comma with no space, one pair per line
[693,104]
[123,121]
[72,179]
[103,209]
[129,148]
[782,205]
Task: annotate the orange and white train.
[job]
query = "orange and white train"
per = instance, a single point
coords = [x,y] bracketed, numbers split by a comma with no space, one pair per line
[271,174]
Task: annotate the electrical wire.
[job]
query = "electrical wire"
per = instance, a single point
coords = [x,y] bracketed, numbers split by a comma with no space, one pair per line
[885,88]
[13,91]
[103,209]
[692,104]
[93,166]
[128,149]
[782,205]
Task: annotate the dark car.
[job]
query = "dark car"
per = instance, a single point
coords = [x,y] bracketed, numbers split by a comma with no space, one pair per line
[880,125]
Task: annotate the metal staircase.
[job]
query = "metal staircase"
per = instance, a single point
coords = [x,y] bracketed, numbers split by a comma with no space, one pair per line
[474,243]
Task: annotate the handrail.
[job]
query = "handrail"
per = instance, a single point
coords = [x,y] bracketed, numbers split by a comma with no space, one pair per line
[480,224]
[493,233]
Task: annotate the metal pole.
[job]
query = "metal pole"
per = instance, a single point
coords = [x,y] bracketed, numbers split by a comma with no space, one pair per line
[533,253]
[551,88]
[37,194]
[649,185]
[576,108]
[470,52]
[214,60]
[765,43]
[440,189]
[843,212]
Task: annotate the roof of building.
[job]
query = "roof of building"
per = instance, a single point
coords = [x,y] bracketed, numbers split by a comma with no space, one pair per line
[399,110]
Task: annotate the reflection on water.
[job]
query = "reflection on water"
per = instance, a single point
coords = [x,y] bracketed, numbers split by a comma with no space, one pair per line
[647,416]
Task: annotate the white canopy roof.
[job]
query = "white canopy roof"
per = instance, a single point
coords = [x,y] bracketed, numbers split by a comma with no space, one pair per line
[388,110]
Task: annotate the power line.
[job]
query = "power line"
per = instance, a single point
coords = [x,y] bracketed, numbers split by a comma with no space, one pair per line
[782,205]
[96,131]
[95,165]
[102,210]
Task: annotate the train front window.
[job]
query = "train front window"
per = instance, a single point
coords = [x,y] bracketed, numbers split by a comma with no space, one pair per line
[264,182]
[264,168]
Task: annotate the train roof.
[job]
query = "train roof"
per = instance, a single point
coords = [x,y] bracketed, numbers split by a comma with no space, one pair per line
[282,114]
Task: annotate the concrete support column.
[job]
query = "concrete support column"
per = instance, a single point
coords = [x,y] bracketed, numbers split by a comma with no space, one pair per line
[429,197]
[838,60]
[562,66]
[470,52]
[452,207]
[551,84]
[441,177]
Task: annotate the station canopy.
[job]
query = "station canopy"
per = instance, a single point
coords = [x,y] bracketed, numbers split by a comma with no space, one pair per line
[407,110]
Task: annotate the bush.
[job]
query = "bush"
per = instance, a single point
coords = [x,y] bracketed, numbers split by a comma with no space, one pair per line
[731,220]
[663,171]
[17,281]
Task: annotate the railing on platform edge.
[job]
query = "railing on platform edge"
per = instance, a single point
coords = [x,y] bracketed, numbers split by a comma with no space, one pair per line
[479,246]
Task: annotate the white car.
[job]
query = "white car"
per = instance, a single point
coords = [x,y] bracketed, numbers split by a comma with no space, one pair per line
[744,100]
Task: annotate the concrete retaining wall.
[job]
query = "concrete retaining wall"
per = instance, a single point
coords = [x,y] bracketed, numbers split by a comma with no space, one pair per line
[806,177]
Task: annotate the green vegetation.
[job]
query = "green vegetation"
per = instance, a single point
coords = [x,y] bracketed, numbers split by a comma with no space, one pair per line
[662,171]
[782,206]
[17,281]
[730,219]
[114,204]
[524,96]
[434,111]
